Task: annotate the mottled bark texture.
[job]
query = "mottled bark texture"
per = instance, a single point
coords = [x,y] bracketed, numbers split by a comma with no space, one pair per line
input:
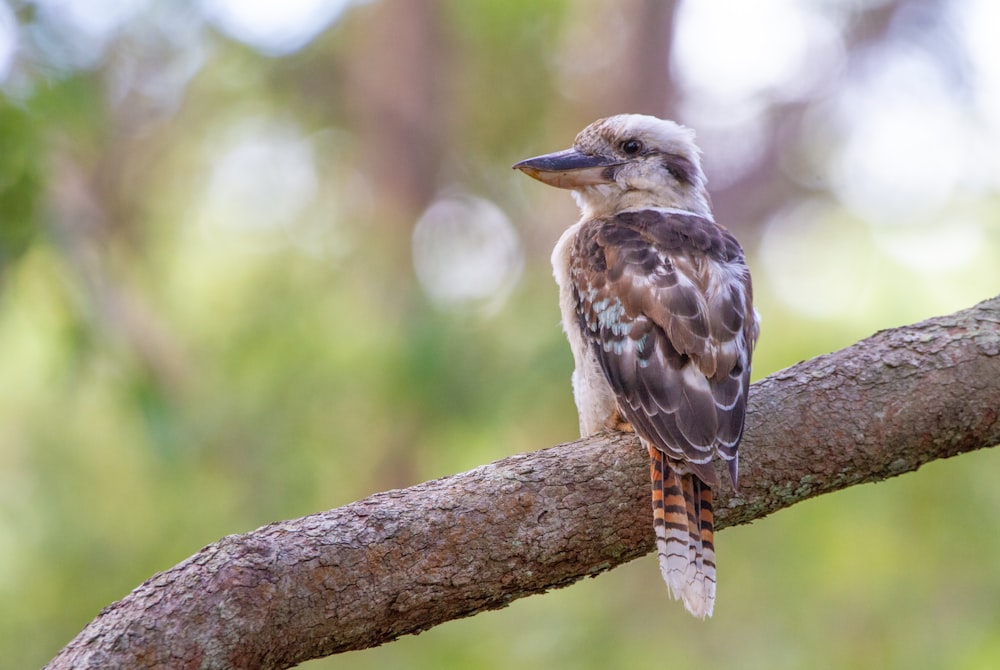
[402,561]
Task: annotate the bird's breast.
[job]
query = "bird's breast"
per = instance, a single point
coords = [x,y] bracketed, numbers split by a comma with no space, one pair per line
[596,403]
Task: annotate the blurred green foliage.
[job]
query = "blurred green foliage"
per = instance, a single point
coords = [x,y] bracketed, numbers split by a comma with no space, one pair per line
[176,370]
[20,182]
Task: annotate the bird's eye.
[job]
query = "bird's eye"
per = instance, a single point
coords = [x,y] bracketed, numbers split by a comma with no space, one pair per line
[631,147]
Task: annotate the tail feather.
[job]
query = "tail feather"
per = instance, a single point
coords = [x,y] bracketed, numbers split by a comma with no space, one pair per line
[683,523]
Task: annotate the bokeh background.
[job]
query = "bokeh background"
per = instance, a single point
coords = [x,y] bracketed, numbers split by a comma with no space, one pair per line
[260,259]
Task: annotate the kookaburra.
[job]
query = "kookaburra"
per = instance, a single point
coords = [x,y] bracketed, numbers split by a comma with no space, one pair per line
[656,302]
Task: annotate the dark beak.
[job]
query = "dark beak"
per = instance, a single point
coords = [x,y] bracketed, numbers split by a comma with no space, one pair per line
[570,169]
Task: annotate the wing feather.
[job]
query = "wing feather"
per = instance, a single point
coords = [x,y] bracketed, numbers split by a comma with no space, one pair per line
[664,299]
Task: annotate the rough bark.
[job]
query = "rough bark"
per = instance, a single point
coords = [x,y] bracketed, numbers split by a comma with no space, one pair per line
[402,561]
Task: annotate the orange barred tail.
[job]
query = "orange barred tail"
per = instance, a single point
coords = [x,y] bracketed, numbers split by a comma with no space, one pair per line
[683,522]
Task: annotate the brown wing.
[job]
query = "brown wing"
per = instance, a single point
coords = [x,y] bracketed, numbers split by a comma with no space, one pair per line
[665,301]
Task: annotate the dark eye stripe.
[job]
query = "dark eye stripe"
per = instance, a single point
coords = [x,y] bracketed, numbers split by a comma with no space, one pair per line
[678,167]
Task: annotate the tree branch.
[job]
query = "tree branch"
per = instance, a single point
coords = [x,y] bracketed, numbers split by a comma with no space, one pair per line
[402,561]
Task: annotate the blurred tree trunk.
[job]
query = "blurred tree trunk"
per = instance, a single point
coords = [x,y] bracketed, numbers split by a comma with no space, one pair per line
[402,561]
[399,96]
[648,86]
[617,59]
[397,91]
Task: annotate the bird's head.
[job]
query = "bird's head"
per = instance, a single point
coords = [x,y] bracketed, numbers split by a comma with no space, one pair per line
[629,161]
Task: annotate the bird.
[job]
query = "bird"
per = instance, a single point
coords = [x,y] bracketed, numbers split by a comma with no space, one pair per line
[656,301]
